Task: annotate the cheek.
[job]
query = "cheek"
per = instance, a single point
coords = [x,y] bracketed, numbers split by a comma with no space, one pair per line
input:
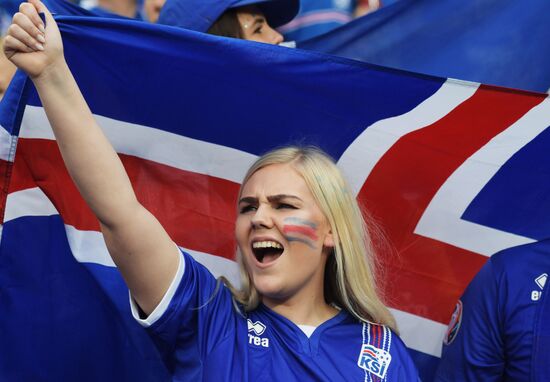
[241,230]
[301,230]
[152,9]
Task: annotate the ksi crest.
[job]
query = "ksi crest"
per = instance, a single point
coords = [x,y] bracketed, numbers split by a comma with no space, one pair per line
[374,360]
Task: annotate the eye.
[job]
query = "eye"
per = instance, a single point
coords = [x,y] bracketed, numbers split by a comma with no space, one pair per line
[260,25]
[283,206]
[247,208]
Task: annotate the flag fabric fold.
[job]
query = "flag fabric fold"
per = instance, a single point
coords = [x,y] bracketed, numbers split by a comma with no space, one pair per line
[498,42]
[188,113]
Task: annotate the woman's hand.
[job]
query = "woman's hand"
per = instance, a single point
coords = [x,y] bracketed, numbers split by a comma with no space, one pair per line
[30,45]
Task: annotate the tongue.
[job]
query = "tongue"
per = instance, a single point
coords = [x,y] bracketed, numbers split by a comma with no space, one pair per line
[270,257]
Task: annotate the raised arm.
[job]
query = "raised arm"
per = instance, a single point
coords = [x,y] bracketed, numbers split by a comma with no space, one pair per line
[138,244]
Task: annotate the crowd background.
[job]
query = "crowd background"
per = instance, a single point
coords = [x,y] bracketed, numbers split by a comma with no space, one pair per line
[483,41]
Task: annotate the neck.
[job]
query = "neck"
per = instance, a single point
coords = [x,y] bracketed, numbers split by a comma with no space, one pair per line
[303,310]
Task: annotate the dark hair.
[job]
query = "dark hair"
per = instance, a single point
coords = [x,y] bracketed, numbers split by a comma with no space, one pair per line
[227,25]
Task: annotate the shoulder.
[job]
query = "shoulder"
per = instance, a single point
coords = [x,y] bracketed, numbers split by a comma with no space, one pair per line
[193,293]
[516,270]
[492,325]
[525,257]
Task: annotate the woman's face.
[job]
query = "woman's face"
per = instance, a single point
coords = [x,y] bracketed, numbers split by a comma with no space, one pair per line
[255,27]
[282,234]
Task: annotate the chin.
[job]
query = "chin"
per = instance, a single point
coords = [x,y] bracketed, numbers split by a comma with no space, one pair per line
[270,287]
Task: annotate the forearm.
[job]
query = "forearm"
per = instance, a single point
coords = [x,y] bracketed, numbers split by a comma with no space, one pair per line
[137,242]
[89,157]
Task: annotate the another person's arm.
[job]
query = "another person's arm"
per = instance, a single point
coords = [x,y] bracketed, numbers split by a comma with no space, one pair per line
[138,244]
[474,349]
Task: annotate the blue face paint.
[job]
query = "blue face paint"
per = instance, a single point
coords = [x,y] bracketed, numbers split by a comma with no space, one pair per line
[300,230]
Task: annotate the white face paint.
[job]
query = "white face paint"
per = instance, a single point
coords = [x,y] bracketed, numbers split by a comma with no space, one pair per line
[255,27]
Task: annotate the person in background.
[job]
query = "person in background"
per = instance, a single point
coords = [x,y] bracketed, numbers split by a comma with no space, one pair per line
[367,6]
[210,16]
[254,20]
[151,10]
[494,333]
[127,8]
[308,308]
[317,17]
[7,10]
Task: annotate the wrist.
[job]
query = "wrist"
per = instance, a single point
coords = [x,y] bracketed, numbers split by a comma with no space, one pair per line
[53,74]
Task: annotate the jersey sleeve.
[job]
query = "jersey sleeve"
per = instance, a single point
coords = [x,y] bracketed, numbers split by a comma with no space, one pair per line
[196,313]
[407,370]
[473,349]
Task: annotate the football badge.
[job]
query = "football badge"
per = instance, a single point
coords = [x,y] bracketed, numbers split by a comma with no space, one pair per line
[454,324]
[374,360]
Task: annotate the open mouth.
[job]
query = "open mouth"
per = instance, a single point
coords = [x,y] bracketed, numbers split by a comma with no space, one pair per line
[267,251]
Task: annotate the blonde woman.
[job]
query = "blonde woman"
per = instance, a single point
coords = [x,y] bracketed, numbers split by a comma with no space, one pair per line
[308,309]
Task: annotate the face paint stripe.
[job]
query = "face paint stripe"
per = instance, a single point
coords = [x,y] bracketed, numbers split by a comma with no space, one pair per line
[301,222]
[307,231]
[306,242]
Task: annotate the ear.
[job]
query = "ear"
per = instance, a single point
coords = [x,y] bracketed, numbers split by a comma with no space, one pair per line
[329,241]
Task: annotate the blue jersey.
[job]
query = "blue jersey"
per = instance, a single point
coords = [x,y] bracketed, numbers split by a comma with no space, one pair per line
[202,335]
[542,342]
[495,332]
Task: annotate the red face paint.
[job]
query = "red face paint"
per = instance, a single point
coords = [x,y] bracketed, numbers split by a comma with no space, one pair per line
[300,229]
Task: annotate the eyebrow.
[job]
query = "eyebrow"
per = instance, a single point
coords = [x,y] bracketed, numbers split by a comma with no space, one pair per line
[271,199]
[258,20]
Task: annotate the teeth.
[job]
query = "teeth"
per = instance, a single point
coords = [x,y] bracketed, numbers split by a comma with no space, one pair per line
[266,244]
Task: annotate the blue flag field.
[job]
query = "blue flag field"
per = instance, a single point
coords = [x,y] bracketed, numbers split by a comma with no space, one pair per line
[497,42]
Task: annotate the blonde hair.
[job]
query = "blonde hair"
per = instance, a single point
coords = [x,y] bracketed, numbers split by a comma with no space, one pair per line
[350,281]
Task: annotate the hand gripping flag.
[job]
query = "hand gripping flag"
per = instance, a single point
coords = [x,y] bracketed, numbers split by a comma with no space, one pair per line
[452,172]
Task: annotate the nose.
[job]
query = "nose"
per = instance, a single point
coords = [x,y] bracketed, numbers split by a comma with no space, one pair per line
[274,37]
[262,218]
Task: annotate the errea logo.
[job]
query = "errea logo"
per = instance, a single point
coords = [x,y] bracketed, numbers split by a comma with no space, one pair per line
[258,329]
[540,281]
